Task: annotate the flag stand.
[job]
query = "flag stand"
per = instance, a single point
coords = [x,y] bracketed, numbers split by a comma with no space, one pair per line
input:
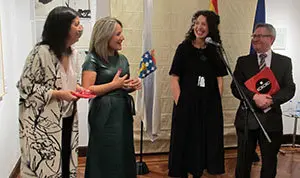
[141,167]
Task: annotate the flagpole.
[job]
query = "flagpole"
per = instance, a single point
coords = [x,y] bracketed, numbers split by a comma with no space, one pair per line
[141,142]
[141,167]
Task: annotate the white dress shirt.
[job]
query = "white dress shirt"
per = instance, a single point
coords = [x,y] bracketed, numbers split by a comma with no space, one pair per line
[267,59]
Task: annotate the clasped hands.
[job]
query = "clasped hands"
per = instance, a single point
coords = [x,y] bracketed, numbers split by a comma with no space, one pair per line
[127,84]
[263,101]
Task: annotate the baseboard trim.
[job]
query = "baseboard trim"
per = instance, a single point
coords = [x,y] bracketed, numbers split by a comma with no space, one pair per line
[16,171]
[82,150]
[288,139]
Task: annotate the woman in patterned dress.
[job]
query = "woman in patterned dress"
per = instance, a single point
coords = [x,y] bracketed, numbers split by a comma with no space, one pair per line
[47,109]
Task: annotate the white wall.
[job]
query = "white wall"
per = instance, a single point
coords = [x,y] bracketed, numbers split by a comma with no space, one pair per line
[16,36]
[102,8]
[284,14]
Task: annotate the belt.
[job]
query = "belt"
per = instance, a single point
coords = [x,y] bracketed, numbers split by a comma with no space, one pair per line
[131,104]
[123,94]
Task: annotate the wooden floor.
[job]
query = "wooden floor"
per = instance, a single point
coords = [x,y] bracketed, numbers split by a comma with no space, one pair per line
[288,165]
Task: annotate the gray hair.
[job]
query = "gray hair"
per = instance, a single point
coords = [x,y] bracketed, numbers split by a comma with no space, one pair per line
[103,31]
[267,26]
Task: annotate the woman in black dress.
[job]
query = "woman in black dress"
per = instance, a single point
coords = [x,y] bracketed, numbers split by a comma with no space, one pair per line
[196,84]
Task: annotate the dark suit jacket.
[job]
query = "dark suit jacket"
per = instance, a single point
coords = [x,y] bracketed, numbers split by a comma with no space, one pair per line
[246,67]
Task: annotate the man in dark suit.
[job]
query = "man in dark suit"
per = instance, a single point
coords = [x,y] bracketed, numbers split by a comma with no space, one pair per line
[267,107]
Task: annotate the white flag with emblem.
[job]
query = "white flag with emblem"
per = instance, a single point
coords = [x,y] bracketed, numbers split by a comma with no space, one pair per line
[147,101]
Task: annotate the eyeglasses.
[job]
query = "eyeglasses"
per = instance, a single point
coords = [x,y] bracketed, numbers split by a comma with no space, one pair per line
[259,36]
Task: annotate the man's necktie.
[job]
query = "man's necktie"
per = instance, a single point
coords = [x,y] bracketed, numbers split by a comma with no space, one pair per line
[262,63]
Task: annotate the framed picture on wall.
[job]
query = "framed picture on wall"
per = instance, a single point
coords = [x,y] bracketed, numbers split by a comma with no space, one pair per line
[84,40]
[39,25]
[43,7]
[79,60]
[83,7]
[2,87]
[280,42]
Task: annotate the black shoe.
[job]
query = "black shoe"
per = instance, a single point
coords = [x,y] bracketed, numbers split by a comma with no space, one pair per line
[197,176]
[185,176]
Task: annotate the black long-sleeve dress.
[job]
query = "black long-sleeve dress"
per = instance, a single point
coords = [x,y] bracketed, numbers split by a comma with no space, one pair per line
[110,149]
[197,122]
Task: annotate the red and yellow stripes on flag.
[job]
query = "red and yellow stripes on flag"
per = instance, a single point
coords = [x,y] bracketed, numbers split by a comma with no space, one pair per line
[213,6]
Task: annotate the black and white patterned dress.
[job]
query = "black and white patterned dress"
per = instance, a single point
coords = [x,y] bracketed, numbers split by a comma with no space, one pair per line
[40,117]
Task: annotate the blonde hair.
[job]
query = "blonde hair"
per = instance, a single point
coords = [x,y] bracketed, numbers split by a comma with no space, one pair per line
[103,31]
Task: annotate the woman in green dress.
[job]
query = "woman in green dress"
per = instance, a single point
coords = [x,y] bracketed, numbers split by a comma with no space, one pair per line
[106,73]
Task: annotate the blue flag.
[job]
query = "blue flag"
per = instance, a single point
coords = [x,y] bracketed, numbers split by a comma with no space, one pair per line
[147,64]
[260,17]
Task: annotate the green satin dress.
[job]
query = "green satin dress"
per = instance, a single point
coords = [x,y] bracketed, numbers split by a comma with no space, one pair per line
[110,148]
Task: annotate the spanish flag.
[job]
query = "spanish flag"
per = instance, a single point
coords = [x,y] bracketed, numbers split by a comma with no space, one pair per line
[213,6]
[260,17]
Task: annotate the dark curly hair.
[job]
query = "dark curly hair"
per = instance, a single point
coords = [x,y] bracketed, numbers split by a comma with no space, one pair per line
[56,29]
[213,21]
